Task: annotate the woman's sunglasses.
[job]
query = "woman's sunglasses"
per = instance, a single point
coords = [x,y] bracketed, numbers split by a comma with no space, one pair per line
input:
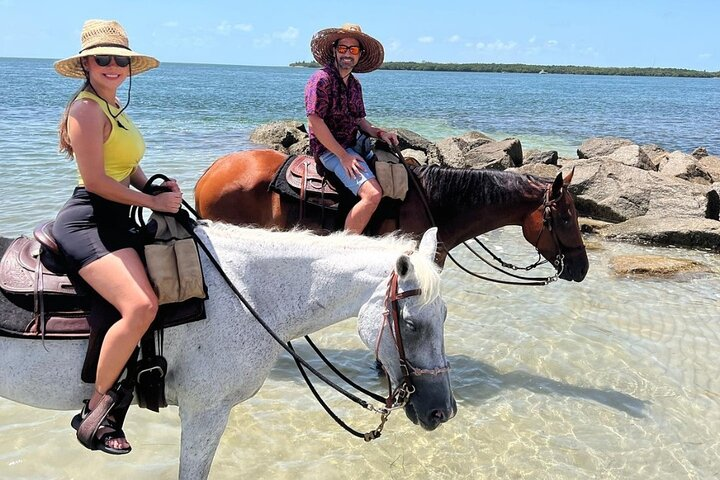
[104,60]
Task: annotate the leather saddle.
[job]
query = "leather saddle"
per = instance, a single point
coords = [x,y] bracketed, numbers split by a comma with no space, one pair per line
[32,276]
[307,176]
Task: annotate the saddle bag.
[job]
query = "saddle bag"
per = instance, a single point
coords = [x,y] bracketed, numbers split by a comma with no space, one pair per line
[173,263]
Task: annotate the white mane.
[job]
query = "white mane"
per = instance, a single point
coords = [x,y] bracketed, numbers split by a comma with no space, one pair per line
[426,270]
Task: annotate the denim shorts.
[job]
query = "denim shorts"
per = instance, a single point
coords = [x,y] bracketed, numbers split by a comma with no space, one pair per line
[332,163]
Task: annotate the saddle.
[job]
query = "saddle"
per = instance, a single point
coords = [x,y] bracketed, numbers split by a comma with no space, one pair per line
[322,197]
[32,278]
[308,177]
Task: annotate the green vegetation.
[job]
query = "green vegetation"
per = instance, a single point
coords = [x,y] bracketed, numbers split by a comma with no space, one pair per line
[521,68]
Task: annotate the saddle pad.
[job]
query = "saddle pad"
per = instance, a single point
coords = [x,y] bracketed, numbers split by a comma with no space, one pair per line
[74,325]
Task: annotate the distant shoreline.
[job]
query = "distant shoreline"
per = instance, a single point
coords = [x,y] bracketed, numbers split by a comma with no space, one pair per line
[537,69]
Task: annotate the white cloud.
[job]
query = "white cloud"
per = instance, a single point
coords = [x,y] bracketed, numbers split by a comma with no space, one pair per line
[454,39]
[263,41]
[226,28]
[288,36]
[705,55]
[426,39]
[532,39]
[469,44]
[171,24]
[552,43]
[497,45]
[393,46]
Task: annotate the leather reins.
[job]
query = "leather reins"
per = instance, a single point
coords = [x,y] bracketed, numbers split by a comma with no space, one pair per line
[391,403]
[547,206]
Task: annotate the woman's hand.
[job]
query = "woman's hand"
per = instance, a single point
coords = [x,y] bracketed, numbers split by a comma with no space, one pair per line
[171,184]
[168,202]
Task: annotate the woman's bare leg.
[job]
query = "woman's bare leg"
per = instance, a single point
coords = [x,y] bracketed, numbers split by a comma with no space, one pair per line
[120,278]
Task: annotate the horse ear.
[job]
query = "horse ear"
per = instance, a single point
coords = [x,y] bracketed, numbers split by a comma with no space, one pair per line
[557,186]
[568,177]
[428,244]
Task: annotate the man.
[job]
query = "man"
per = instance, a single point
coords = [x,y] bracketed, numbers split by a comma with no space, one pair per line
[336,114]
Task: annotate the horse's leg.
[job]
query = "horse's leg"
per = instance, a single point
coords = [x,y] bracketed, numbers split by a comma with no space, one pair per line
[201,432]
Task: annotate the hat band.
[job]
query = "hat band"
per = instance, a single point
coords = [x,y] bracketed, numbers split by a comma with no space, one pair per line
[117,45]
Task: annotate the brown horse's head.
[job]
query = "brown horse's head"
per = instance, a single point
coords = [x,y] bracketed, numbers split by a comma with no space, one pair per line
[553,229]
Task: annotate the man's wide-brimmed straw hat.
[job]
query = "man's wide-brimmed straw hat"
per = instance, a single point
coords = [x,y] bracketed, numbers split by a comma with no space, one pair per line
[104,37]
[323,41]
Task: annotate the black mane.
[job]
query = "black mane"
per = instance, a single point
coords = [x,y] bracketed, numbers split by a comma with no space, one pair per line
[448,186]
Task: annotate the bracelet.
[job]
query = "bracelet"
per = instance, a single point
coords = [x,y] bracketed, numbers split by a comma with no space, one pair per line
[378,133]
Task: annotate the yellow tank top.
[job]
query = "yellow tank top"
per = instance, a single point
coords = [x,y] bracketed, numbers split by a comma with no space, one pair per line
[124,147]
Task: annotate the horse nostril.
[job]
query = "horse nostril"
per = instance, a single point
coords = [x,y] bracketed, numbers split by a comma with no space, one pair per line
[438,416]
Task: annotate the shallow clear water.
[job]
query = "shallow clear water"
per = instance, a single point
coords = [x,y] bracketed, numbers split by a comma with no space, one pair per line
[614,377]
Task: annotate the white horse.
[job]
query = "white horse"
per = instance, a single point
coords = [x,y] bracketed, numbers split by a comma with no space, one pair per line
[298,283]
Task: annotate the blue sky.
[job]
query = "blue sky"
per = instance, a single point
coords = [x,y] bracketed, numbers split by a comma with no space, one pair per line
[623,33]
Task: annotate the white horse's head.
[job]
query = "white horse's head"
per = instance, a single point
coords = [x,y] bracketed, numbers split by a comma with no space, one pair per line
[414,353]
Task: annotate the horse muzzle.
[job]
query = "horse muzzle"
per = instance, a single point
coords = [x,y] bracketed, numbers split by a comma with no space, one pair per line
[432,403]
[575,265]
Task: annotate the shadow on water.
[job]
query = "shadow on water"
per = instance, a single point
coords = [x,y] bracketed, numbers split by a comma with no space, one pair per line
[485,383]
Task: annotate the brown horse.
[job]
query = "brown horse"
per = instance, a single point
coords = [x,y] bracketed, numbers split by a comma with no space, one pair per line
[462,202]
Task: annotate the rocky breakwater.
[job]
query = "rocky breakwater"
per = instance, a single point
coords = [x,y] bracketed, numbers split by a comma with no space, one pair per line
[627,192]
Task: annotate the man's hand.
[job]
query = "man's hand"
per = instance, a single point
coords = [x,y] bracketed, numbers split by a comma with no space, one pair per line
[388,137]
[352,163]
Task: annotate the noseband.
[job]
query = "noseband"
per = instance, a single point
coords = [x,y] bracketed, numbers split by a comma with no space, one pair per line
[401,395]
[548,225]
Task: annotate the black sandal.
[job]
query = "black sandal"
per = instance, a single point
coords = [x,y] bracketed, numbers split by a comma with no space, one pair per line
[88,422]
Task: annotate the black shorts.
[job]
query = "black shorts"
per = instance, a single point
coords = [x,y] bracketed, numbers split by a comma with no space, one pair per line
[88,227]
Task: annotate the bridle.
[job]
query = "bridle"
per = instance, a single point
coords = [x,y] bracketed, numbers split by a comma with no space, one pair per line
[548,206]
[395,400]
[401,395]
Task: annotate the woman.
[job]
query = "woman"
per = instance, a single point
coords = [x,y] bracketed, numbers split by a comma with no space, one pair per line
[93,229]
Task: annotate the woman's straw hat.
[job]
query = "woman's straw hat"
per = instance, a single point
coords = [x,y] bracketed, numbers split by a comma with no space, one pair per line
[323,41]
[104,37]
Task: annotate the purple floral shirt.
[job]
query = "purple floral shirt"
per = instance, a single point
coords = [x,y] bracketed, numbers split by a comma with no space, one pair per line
[340,106]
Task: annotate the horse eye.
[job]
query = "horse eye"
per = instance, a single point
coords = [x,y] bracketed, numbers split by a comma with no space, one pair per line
[410,325]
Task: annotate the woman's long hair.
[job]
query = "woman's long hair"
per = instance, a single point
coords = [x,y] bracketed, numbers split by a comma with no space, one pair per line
[64,143]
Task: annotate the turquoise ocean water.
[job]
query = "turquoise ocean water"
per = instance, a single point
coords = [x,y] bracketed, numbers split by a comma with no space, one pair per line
[192,114]
[611,378]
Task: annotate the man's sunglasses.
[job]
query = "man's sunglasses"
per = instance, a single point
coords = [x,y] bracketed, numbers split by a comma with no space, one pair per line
[355,50]
[104,60]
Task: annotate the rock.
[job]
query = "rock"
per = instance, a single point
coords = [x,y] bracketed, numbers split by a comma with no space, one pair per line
[614,192]
[302,147]
[654,265]
[538,170]
[473,139]
[418,155]
[655,154]
[632,156]
[409,139]
[495,155]
[710,166]
[549,157]
[667,230]
[279,135]
[700,152]
[601,146]
[591,225]
[452,150]
[682,165]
